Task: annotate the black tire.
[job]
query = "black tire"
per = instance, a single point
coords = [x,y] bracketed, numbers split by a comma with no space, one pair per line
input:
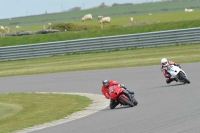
[182,75]
[126,102]
[135,101]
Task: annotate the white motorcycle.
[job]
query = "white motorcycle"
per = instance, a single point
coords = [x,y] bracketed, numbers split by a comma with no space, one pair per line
[178,73]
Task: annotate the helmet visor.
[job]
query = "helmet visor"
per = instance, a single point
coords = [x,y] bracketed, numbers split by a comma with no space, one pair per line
[165,63]
[106,84]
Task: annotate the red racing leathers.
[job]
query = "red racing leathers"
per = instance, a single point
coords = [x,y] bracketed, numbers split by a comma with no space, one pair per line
[105,90]
[166,74]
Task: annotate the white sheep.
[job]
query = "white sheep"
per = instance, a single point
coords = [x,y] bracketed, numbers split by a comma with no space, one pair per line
[87,17]
[189,10]
[49,25]
[8,29]
[131,19]
[105,20]
[100,17]
[83,19]
[2,30]
[17,27]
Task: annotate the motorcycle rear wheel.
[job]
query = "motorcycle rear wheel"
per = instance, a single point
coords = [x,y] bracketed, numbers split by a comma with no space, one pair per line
[126,102]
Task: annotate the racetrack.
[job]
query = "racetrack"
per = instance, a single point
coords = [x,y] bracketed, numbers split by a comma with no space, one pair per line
[162,108]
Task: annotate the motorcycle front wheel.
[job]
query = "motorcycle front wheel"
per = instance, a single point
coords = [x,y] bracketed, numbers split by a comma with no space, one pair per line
[135,101]
[183,77]
[126,102]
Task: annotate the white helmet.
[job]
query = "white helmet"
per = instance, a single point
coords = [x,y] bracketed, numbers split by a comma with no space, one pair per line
[164,62]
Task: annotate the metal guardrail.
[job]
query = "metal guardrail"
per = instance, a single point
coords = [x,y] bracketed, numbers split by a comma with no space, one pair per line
[151,39]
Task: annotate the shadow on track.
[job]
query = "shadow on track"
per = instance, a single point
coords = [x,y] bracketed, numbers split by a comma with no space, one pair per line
[172,85]
[117,108]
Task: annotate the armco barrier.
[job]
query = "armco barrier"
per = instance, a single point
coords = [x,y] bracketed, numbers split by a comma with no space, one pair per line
[151,39]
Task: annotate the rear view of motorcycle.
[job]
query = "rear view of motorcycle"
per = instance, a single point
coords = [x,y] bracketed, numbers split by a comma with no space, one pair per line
[116,93]
[178,74]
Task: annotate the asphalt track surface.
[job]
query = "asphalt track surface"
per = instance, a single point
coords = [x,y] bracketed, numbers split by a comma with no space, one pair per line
[162,108]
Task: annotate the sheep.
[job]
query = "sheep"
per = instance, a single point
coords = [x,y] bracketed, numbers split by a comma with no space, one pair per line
[131,19]
[83,19]
[87,17]
[189,10]
[2,28]
[100,17]
[8,29]
[17,27]
[49,25]
[2,31]
[105,20]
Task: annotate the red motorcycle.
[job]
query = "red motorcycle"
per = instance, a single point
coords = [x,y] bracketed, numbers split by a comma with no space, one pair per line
[116,93]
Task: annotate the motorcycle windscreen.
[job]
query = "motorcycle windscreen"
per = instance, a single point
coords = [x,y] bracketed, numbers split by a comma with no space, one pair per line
[173,70]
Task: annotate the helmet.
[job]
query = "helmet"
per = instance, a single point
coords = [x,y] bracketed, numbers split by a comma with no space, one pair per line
[105,82]
[164,62]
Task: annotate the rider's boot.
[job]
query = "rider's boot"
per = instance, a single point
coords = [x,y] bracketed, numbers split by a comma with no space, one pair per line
[113,103]
[169,80]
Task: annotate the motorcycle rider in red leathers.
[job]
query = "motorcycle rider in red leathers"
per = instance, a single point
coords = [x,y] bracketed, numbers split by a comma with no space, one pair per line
[105,90]
[167,75]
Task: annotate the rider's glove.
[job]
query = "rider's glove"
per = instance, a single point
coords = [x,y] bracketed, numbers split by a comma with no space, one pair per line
[178,65]
[122,86]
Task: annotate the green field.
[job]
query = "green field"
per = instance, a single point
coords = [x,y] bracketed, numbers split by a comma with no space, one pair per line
[23,110]
[119,26]
[36,22]
[165,16]
[114,12]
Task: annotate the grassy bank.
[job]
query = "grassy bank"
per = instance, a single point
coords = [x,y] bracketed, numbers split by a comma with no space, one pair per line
[24,110]
[118,30]
[94,61]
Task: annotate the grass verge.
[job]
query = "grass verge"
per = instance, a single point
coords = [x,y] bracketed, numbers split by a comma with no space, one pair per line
[23,110]
[93,61]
